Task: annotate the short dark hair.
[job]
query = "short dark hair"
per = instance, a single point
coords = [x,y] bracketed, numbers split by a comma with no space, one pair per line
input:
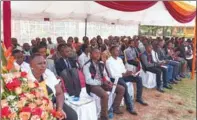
[16,51]
[94,49]
[34,55]
[147,45]
[113,47]
[60,46]
[130,40]
[83,47]
[161,40]
[41,45]
[70,38]
[85,38]
[34,50]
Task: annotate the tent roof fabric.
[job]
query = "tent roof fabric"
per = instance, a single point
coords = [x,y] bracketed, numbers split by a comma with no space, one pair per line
[94,12]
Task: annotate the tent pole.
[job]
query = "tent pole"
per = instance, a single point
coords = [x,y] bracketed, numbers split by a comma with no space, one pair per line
[194,54]
[7,23]
[139,29]
[86,27]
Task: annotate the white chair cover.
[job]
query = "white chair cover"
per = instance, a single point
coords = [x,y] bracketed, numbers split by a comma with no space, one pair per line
[85,111]
[148,79]
[130,89]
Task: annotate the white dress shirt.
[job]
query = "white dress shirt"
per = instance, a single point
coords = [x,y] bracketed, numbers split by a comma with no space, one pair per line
[24,67]
[115,67]
[51,46]
[83,58]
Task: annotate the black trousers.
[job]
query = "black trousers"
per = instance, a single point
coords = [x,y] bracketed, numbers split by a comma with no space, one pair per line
[164,71]
[158,73]
[133,62]
[189,63]
[138,81]
[127,98]
[70,113]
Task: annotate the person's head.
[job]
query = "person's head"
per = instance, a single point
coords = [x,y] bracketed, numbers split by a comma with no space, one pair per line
[103,48]
[59,40]
[42,50]
[26,47]
[154,44]
[33,42]
[35,50]
[95,54]
[44,40]
[37,64]
[14,42]
[70,41]
[18,56]
[131,43]
[114,50]
[144,40]
[169,45]
[98,37]
[49,40]
[93,42]
[64,50]
[106,41]
[189,41]
[76,39]
[85,48]
[86,40]
[136,43]
[99,41]
[161,43]
[148,48]
[38,40]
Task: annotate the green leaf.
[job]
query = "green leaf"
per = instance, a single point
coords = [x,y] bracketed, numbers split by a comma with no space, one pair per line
[4,61]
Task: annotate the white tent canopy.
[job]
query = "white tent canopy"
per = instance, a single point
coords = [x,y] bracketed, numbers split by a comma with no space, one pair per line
[94,12]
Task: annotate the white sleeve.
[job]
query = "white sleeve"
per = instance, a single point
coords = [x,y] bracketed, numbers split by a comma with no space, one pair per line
[154,56]
[87,75]
[81,62]
[110,71]
[106,75]
[51,81]
[123,66]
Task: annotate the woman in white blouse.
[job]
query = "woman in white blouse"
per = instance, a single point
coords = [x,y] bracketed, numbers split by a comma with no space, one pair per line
[41,74]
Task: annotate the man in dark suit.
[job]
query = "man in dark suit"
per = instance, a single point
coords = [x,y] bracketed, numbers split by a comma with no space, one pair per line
[66,68]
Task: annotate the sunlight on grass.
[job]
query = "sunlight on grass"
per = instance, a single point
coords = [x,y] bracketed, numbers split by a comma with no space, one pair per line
[186,89]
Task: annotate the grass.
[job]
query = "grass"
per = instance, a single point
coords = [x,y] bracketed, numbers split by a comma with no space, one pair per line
[176,104]
[187,91]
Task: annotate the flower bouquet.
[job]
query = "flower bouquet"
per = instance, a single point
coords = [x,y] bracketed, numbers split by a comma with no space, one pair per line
[22,99]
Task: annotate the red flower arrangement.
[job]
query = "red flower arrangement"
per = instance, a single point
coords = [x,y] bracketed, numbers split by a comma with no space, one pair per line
[22,99]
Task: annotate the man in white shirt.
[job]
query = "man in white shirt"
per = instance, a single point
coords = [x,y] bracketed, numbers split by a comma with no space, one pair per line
[85,56]
[116,68]
[19,57]
[50,45]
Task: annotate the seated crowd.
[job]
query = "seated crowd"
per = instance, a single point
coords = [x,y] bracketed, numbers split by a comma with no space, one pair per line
[101,62]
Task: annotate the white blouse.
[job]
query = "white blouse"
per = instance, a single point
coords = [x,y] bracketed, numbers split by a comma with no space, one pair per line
[24,67]
[50,79]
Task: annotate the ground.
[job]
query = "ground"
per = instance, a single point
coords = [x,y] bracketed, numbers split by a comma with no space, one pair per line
[176,104]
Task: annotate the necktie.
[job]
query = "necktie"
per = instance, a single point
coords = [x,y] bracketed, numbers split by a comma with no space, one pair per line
[68,64]
[149,58]
[136,52]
